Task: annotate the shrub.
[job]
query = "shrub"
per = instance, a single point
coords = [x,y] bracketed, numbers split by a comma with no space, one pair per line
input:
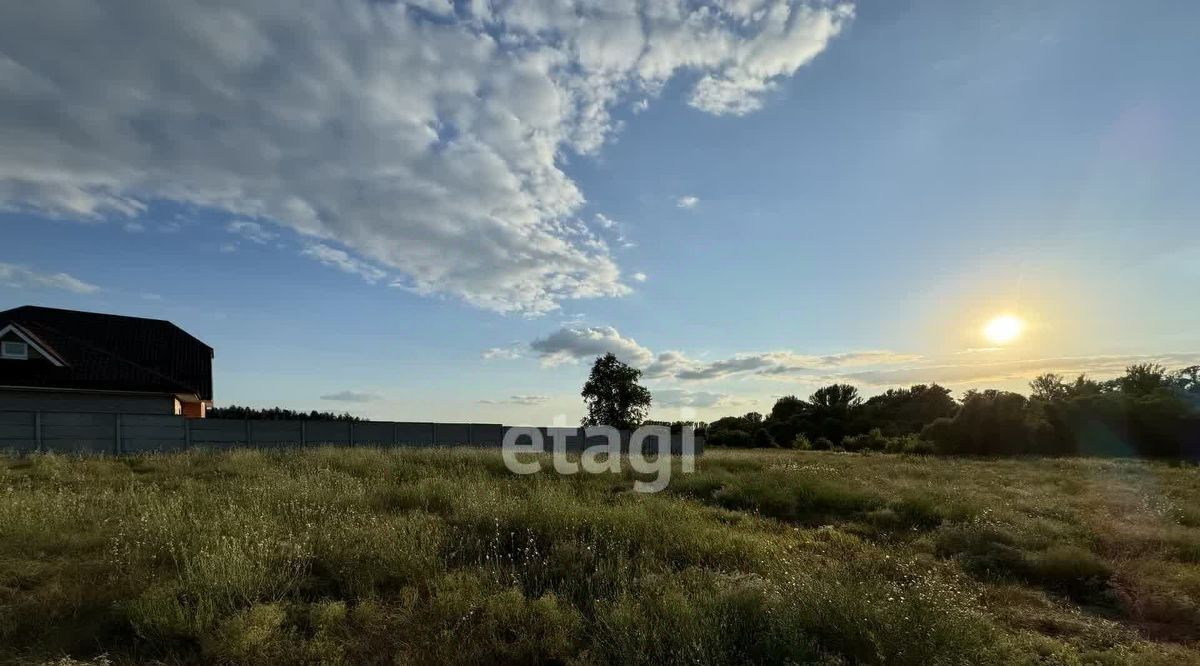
[988,423]
[822,444]
[734,439]
[1072,571]
[801,443]
[764,440]
[914,445]
[872,440]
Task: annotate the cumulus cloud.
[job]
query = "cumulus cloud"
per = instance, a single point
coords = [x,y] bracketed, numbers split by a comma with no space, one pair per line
[22,277]
[343,261]
[251,231]
[688,201]
[572,344]
[576,343]
[352,396]
[638,277]
[426,138]
[519,400]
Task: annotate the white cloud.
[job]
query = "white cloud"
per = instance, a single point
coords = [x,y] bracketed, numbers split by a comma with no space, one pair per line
[251,231]
[572,344]
[519,400]
[687,201]
[605,221]
[776,364]
[576,343]
[686,398]
[638,277]
[1020,369]
[341,260]
[21,277]
[509,353]
[425,141]
[352,396]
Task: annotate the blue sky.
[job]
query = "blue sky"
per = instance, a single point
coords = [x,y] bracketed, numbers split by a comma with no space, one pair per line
[444,211]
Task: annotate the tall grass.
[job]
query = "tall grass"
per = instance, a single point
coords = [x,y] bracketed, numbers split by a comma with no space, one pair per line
[366,556]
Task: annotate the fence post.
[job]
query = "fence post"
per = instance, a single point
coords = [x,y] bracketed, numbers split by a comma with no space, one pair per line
[303,433]
[117,432]
[395,433]
[351,443]
[37,431]
[187,433]
[246,424]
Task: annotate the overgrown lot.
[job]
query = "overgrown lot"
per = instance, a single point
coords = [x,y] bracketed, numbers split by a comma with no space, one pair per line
[418,557]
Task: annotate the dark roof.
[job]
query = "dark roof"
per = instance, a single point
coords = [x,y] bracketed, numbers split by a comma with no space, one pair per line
[109,352]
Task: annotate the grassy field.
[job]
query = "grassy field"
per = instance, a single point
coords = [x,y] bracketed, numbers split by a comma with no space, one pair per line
[420,557]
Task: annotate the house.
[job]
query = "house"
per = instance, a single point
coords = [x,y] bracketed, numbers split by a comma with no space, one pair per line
[53,359]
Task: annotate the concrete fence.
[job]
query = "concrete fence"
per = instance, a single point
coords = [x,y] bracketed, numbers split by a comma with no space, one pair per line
[95,432]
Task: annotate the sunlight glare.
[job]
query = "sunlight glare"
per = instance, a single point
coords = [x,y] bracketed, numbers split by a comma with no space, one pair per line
[1003,329]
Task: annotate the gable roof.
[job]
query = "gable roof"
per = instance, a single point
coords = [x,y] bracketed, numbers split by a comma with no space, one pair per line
[108,352]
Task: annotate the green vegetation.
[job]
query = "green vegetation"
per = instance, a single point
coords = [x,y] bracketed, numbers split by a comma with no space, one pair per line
[1148,412]
[425,557]
[613,396]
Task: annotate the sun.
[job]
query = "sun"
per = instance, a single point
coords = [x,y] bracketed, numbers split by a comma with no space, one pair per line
[1003,329]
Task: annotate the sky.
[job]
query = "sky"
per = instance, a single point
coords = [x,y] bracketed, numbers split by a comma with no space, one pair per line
[445,210]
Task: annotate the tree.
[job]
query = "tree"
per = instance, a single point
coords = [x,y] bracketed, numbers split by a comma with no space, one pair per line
[613,396]
[275,414]
[899,412]
[835,397]
[1187,381]
[1049,387]
[832,411]
[787,407]
[1143,379]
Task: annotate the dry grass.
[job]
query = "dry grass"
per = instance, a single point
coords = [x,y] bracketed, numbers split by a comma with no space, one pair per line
[364,556]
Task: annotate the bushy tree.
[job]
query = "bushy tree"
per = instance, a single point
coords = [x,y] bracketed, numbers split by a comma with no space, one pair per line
[1049,387]
[898,412]
[1143,379]
[989,422]
[787,408]
[835,398]
[613,395]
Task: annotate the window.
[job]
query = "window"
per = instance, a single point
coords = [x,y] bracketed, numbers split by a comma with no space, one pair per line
[17,350]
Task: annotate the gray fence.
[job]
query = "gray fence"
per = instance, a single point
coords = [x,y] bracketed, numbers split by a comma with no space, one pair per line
[87,432]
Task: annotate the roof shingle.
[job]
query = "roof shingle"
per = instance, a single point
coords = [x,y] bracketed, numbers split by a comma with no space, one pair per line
[109,352]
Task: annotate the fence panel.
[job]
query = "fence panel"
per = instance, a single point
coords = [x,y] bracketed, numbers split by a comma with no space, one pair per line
[336,433]
[489,435]
[70,432]
[414,434]
[18,431]
[451,434]
[374,433]
[95,432]
[218,433]
[157,432]
[275,434]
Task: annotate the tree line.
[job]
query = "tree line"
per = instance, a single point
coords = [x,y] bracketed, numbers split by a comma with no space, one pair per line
[276,414]
[1147,412]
